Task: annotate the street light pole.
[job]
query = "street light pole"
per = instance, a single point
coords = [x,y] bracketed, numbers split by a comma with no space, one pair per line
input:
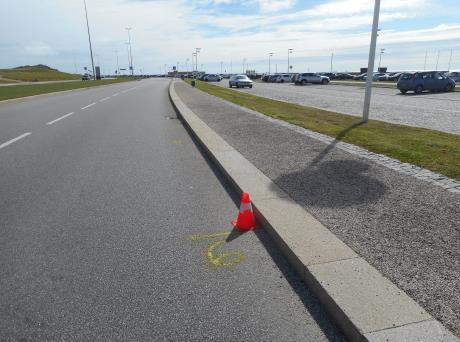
[89,39]
[197,51]
[437,61]
[289,65]
[130,50]
[382,51]
[426,56]
[118,64]
[450,58]
[332,58]
[370,67]
[270,54]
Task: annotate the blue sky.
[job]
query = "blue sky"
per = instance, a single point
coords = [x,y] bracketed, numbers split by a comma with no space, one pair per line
[230,33]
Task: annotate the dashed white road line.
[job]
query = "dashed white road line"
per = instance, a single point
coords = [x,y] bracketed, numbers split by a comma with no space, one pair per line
[90,105]
[14,140]
[116,94]
[104,99]
[60,118]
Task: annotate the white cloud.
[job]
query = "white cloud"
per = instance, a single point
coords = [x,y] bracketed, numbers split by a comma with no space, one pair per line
[275,5]
[39,49]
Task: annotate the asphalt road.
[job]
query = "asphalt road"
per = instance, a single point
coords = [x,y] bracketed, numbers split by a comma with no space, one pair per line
[97,212]
[439,111]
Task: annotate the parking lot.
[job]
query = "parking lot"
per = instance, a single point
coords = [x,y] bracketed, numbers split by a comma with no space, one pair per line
[439,111]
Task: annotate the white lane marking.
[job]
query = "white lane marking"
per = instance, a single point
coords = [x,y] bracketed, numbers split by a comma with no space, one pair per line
[90,105]
[104,99]
[14,140]
[59,119]
[116,94]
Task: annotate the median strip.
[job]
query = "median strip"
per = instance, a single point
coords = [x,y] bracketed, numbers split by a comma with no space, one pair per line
[14,140]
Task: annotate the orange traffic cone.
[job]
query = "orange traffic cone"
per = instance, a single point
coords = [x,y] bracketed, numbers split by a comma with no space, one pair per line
[246,220]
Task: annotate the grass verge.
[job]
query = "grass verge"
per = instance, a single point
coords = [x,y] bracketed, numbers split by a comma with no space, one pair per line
[18,91]
[433,150]
[34,74]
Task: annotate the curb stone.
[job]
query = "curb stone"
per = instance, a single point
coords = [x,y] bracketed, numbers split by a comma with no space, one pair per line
[365,305]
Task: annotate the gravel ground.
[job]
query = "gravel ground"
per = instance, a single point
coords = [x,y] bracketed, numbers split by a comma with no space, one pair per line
[439,111]
[408,229]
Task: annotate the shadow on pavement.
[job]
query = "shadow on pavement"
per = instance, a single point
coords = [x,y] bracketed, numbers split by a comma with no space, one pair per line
[333,184]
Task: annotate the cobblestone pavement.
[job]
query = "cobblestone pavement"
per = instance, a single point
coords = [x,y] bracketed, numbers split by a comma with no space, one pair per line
[404,226]
[439,111]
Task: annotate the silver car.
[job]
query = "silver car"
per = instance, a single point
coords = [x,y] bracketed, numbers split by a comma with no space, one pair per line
[212,78]
[240,81]
[310,77]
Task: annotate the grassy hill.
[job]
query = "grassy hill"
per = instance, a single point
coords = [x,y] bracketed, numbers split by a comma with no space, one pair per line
[36,73]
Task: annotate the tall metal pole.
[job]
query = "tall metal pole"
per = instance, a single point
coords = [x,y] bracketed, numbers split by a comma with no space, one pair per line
[437,61]
[332,58]
[89,39]
[118,64]
[370,66]
[129,59]
[269,63]
[382,51]
[426,56]
[196,56]
[289,64]
[130,50]
[450,58]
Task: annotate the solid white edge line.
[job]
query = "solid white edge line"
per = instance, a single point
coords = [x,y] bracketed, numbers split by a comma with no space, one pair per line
[14,140]
[58,119]
[90,105]
[104,99]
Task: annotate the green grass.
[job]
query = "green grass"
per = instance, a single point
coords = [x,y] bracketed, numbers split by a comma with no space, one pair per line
[37,75]
[433,150]
[17,91]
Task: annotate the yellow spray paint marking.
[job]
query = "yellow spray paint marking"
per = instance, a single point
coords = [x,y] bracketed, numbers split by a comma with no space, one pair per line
[177,142]
[225,259]
[209,236]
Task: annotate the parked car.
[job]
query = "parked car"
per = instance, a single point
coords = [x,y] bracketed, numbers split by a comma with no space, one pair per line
[86,77]
[283,78]
[240,81]
[331,75]
[360,77]
[272,78]
[343,76]
[427,80]
[212,78]
[309,77]
[454,75]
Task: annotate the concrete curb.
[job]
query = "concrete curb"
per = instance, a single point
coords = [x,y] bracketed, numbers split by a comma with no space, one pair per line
[365,305]
[26,98]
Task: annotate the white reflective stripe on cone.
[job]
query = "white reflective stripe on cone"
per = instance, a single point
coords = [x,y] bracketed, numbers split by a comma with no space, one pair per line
[245,207]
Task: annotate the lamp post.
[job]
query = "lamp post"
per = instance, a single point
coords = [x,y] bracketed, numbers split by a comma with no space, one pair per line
[89,39]
[437,61]
[382,51]
[426,56]
[130,50]
[244,62]
[289,65]
[450,58]
[370,67]
[197,51]
[332,58]
[118,64]
[270,55]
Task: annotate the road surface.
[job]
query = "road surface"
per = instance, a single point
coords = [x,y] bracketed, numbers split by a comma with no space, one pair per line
[113,226]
